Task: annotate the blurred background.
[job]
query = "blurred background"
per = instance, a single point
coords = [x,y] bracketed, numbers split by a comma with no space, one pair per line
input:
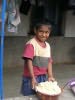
[61,14]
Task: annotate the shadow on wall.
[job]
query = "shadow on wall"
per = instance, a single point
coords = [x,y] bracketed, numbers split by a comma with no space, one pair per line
[72,54]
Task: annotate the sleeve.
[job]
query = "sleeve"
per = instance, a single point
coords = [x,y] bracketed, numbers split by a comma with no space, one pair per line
[28,51]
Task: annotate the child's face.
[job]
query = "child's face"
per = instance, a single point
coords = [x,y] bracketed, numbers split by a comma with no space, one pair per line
[43,33]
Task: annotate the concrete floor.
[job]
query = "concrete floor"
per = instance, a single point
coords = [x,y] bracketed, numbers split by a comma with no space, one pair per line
[12,82]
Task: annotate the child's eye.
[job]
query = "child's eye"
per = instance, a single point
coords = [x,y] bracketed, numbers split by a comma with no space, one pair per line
[46,32]
[41,31]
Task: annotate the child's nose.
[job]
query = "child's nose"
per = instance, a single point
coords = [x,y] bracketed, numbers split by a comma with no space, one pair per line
[44,33]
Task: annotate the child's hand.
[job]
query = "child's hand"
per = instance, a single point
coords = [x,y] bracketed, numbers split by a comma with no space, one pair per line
[33,83]
[51,79]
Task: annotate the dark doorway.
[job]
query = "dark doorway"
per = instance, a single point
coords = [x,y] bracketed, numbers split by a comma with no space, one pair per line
[52,11]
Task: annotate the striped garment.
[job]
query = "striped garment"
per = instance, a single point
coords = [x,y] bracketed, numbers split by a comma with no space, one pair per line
[40,56]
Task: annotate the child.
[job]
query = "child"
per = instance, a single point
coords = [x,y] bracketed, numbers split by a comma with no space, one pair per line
[37,59]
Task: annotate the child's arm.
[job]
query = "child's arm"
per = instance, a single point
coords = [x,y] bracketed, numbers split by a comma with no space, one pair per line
[30,67]
[28,56]
[50,73]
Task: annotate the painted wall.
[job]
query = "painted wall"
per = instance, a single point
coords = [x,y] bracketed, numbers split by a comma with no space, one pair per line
[63,50]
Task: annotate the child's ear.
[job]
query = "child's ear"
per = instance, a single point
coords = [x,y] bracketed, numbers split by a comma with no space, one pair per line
[34,30]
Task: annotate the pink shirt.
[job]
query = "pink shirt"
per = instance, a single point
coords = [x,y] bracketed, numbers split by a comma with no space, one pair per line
[29,53]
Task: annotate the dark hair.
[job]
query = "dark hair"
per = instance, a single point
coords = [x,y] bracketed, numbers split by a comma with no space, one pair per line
[44,22]
[38,24]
